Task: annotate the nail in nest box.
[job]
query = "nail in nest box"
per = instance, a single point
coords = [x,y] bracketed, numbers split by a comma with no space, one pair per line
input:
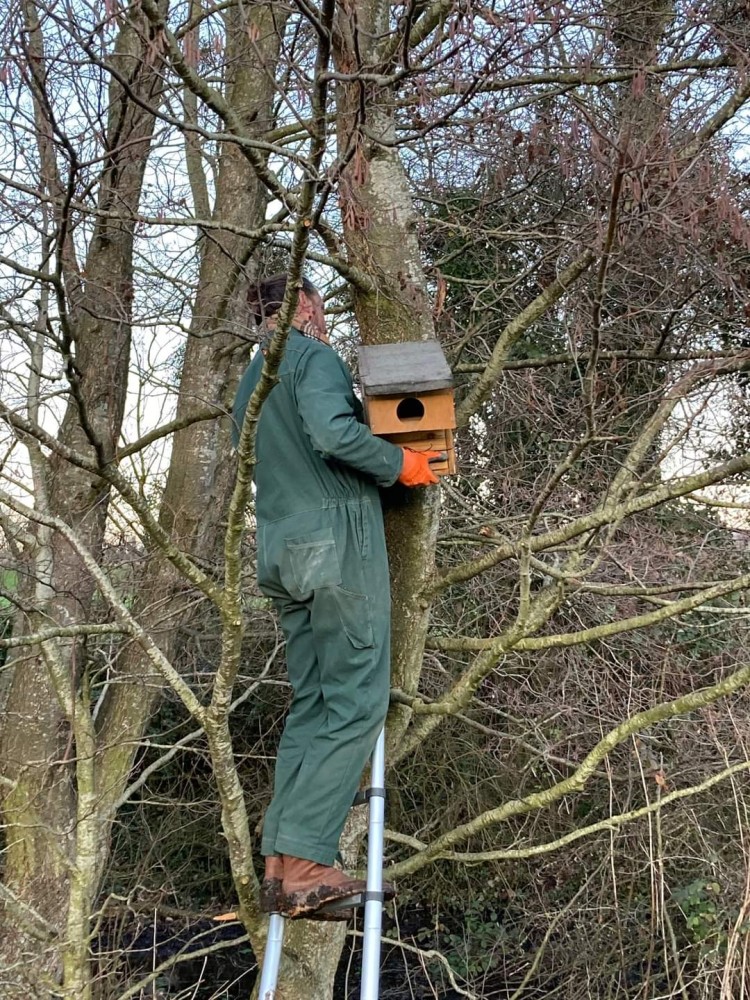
[408,397]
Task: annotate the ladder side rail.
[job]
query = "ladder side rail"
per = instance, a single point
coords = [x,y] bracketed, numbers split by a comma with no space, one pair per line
[269,976]
[373,920]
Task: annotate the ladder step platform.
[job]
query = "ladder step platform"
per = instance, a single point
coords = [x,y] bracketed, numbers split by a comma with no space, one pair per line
[357,901]
[350,903]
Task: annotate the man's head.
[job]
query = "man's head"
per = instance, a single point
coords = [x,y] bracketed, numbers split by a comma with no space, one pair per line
[265,300]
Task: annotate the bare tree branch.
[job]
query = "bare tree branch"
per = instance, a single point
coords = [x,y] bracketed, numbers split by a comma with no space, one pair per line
[482,388]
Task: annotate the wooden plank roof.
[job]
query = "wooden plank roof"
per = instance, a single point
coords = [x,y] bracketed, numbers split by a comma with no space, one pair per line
[411,367]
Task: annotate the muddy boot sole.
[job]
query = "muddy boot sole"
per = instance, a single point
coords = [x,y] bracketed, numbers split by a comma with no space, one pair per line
[270,902]
[306,901]
[270,895]
[341,910]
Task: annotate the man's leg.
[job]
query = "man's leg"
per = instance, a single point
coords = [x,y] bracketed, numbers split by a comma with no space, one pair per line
[351,638]
[304,719]
[306,713]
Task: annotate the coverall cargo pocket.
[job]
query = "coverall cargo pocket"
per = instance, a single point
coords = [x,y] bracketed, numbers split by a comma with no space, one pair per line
[354,613]
[314,560]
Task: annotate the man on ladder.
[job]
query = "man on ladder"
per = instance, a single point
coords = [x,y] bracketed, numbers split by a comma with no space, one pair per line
[322,559]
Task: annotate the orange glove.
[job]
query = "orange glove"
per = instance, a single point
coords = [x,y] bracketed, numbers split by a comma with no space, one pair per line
[416,469]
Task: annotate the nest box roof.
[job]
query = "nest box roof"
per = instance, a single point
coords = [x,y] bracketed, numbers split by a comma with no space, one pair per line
[415,366]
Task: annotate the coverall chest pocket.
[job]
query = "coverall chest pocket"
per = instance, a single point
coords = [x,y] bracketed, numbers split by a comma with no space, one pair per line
[313,561]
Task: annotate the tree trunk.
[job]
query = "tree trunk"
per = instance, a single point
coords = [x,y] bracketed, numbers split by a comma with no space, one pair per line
[202,465]
[380,238]
[37,744]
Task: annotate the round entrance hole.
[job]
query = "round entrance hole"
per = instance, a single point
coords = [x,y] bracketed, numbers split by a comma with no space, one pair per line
[410,408]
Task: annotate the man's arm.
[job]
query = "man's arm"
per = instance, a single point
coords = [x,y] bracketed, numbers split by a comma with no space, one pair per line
[326,405]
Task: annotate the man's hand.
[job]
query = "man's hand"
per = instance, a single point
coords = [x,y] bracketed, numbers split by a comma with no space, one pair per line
[416,469]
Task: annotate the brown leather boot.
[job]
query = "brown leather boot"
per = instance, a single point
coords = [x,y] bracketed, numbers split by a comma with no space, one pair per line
[270,888]
[271,894]
[307,886]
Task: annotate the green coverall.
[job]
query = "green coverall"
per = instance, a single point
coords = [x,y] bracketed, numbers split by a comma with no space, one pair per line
[322,558]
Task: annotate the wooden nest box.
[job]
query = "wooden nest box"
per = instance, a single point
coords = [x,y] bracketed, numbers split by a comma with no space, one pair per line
[408,397]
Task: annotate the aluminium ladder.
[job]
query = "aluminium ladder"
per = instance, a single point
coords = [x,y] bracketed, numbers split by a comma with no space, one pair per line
[372,897]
